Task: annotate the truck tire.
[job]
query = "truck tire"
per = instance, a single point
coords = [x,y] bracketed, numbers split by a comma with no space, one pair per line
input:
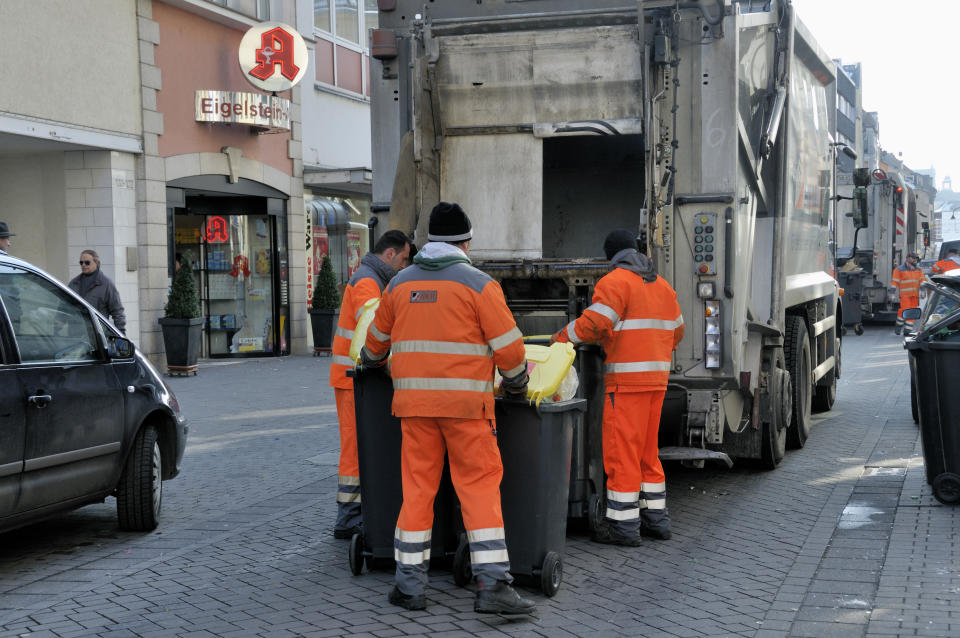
[797,350]
[824,396]
[773,436]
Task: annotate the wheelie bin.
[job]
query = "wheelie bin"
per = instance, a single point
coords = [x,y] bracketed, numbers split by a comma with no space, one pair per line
[586,500]
[852,284]
[535,446]
[934,369]
[381,493]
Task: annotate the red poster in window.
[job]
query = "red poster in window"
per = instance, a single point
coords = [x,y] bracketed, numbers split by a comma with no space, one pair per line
[319,247]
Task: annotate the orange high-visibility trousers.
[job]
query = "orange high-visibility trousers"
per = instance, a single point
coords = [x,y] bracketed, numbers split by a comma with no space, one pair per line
[635,478]
[348,481]
[476,471]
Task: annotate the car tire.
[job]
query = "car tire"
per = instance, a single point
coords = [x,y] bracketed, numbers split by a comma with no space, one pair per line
[140,491]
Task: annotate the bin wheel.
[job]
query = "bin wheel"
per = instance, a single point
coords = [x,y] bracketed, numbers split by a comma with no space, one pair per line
[858,329]
[551,574]
[356,554]
[462,571]
[946,488]
[595,512]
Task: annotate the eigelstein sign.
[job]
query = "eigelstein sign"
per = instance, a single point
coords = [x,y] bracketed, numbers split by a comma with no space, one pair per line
[237,107]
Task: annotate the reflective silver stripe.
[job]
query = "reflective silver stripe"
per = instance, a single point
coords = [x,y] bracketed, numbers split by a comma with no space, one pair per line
[649,324]
[572,333]
[343,332]
[623,497]
[443,347]
[487,534]
[512,372]
[348,497]
[428,383]
[489,556]
[375,357]
[657,504]
[348,480]
[654,487]
[623,515]
[679,321]
[342,360]
[506,338]
[638,366]
[404,536]
[411,558]
[605,310]
[379,336]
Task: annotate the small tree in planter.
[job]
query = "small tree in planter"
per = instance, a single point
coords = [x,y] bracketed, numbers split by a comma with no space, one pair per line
[324,306]
[182,324]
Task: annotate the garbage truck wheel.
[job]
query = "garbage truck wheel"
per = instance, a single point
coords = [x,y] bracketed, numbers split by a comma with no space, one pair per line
[462,571]
[796,345]
[356,554]
[595,512]
[824,396]
[551,574]
[946,488]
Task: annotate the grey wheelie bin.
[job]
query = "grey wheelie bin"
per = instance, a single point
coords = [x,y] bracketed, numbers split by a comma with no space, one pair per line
[535,445]
[381,493]
[934,369]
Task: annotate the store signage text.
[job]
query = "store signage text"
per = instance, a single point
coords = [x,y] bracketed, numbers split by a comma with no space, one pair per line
[216,231]
[273,56]
[237,107]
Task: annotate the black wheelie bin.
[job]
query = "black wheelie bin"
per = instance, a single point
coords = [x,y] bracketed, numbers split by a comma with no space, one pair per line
[381,493]
[587,490]
[535,445]
[934,369]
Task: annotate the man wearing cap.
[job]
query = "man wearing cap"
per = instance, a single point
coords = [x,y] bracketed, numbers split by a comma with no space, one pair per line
[5,236]
[906,279]
[448,324]
[635,316]
[378,267]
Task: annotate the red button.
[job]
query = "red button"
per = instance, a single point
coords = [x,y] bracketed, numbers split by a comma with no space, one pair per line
[704,268]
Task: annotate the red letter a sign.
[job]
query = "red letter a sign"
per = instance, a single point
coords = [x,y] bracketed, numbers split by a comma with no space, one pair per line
[276,48]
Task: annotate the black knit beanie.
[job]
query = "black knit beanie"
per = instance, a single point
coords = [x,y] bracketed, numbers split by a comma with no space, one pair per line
[449,223]
[617,240]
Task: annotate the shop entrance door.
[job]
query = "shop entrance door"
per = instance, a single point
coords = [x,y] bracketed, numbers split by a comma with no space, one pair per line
[240,273]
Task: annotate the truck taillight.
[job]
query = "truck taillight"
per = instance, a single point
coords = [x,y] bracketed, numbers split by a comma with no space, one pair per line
[711,334]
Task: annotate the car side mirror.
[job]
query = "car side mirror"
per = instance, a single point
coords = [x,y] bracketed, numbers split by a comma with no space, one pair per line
[911,314]
[119,347]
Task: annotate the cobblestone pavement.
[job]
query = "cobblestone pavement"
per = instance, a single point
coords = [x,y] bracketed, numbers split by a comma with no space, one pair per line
[843,539]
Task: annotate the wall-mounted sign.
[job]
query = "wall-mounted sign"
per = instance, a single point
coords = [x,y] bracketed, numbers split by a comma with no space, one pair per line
[216,231]
[243,108]
[273,56]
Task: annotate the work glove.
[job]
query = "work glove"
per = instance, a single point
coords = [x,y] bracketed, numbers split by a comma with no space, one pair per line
[515,387]
[367,362]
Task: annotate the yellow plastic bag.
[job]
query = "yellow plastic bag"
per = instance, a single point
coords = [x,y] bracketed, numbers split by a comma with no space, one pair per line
[369,309]
[548,367]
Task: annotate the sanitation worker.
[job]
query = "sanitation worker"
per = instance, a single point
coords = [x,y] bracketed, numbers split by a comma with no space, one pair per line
[906,279]
[947,264]
[636,318]
[389,255]
[448,324]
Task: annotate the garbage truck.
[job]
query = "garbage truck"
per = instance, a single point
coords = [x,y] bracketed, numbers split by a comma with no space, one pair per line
[875,235]
[703,126]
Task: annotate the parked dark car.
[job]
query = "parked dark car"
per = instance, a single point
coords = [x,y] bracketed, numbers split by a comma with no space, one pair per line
[83,414]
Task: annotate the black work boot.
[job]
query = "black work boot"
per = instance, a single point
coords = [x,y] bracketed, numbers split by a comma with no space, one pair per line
[407,601]
[502,599]
[655,524]
[607,536]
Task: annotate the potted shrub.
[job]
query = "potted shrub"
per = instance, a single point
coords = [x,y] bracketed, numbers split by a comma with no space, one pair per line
[324,306]
[182,324]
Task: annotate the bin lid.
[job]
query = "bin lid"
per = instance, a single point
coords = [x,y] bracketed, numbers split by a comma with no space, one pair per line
[547,367]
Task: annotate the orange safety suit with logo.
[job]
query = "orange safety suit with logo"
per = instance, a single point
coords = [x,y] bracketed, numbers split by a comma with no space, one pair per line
[367,283]
[636,318]
[945,265]
[906,279]
[447,325]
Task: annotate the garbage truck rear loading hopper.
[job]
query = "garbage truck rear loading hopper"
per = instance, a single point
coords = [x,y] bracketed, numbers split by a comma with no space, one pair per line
[703,126]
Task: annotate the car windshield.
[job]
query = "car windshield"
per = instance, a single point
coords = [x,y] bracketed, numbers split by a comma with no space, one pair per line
[937,308]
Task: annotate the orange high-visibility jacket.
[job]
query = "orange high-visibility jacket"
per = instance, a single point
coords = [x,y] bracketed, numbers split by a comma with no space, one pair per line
[944,265]
[908,283]
[446,328]
[365,284]
[639,325]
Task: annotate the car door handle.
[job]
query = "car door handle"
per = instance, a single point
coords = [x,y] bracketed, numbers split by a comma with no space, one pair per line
[40,400]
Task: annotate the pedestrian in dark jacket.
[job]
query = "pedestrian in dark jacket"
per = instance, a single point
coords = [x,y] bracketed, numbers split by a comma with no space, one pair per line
[97,289]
